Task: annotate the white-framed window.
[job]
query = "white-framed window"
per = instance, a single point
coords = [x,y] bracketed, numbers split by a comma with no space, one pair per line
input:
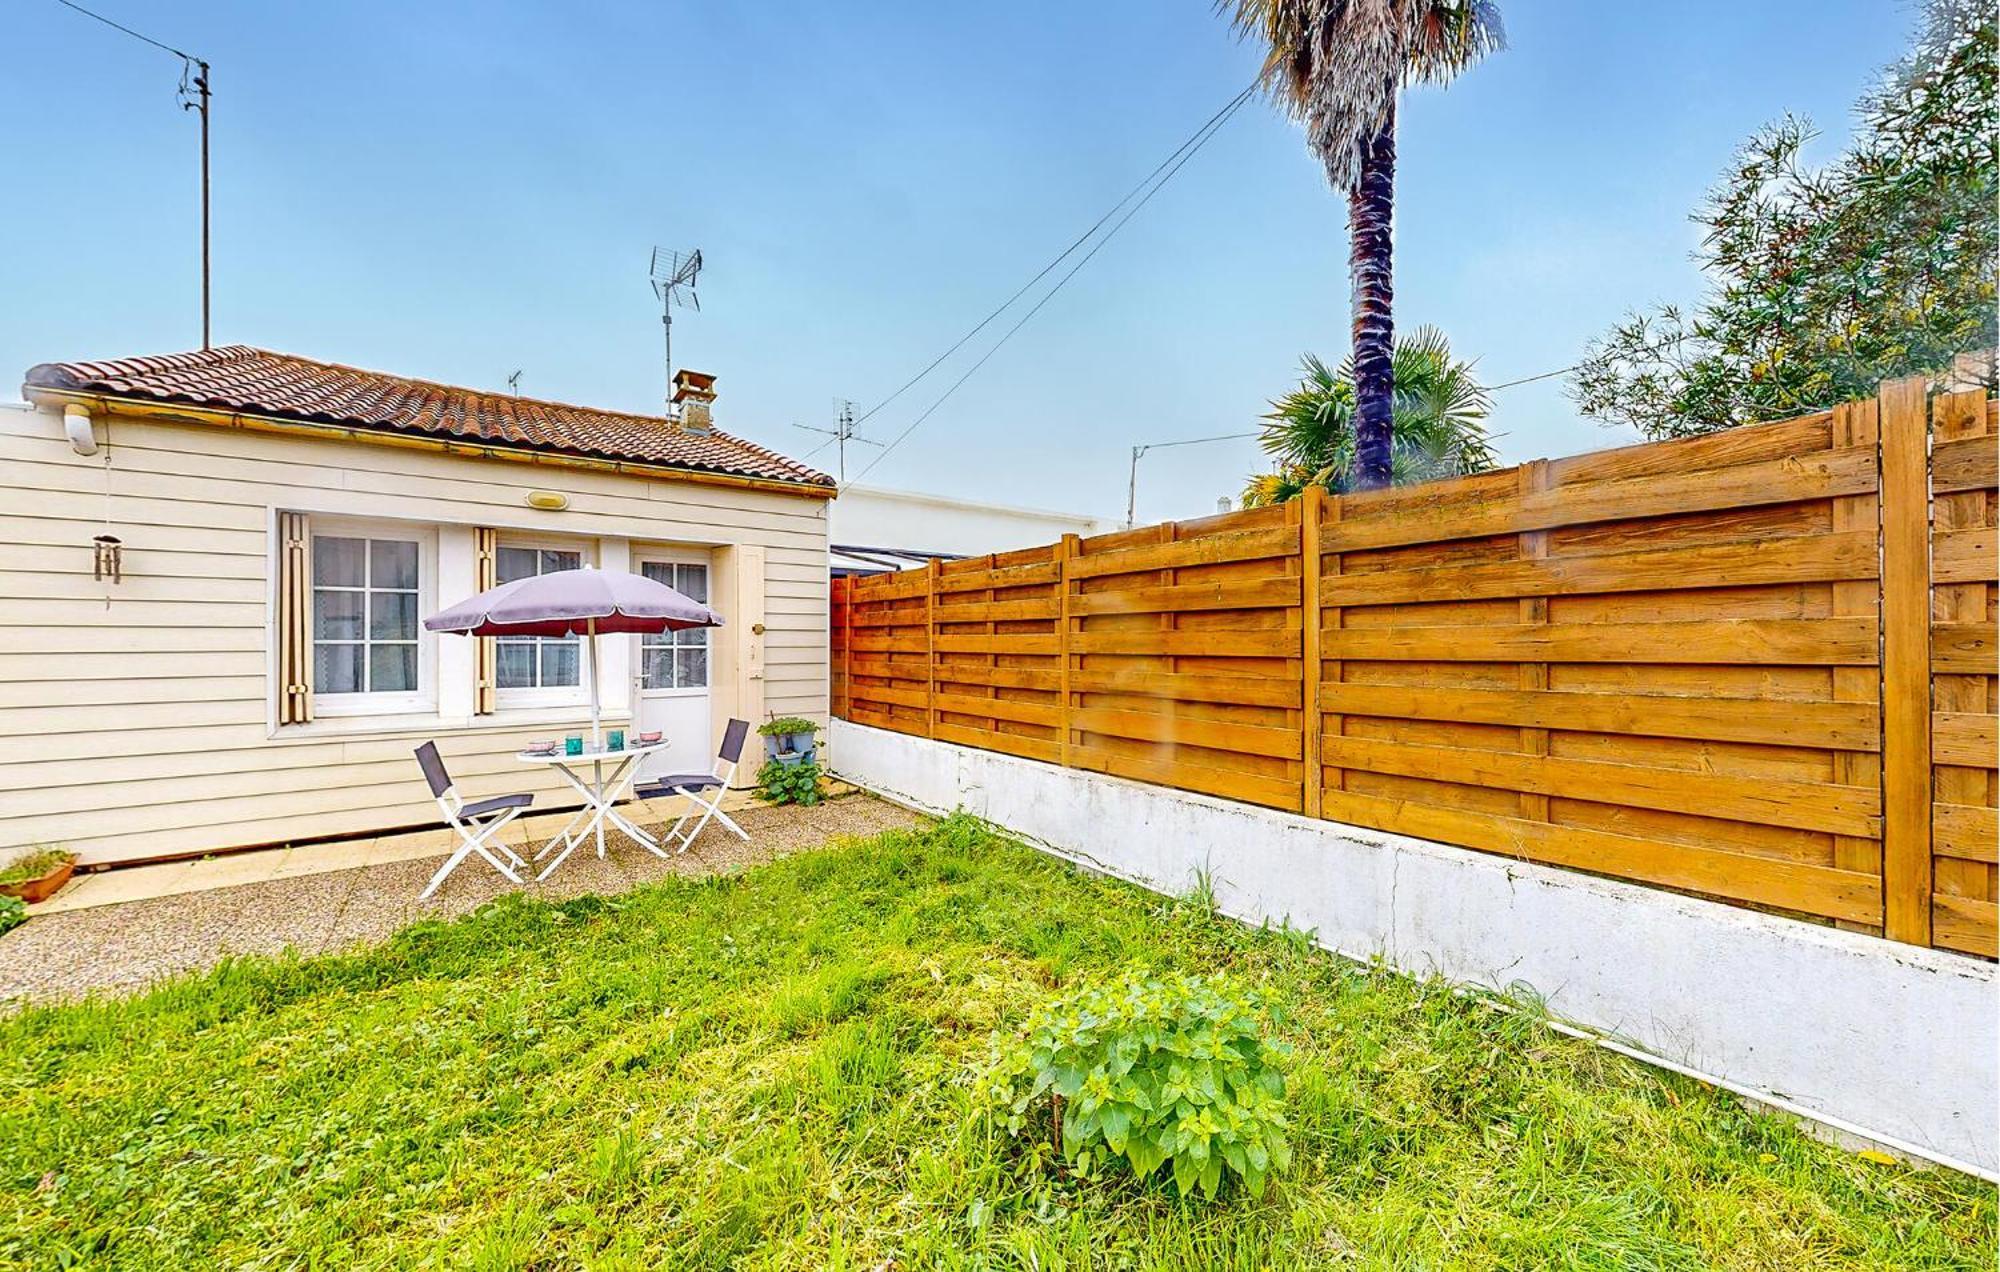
[371,584]
[676,660]
[537,670]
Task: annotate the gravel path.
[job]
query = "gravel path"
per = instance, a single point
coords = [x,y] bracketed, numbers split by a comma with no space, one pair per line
[120,948]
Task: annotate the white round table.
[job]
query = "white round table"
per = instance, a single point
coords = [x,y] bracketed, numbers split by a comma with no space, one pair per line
[601,793]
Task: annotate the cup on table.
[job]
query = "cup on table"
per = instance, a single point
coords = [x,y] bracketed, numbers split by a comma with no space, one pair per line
[573,744]
[617,740]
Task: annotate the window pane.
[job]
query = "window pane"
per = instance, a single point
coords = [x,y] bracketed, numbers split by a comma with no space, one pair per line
[337,615]
[338,562]
[553,561]
[693,669]
[336,669]
[657,669]
[392,563]
[658,571]
[692,582]
[515,563]
[515,665]
[559,663]
[392,668]
[692,638]
[392,615]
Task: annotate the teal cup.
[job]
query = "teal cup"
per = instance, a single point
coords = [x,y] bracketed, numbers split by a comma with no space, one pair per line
[573,745]
[616,741]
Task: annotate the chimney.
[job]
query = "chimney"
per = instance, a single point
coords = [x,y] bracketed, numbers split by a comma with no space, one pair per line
[694,397]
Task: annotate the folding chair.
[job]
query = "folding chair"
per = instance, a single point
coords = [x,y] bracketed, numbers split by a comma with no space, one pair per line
[476,823]
[693,784]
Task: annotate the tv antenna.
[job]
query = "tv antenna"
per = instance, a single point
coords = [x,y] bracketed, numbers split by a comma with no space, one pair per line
[514,382]
[842,433]
[674,274]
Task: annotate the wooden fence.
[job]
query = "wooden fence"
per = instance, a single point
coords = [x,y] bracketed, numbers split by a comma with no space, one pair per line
[1756,666]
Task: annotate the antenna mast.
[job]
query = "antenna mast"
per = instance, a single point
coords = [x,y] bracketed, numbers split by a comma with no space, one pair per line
[842,433]
[673,276]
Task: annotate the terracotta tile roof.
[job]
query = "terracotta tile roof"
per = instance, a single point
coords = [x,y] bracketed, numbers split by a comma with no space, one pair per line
[281,385]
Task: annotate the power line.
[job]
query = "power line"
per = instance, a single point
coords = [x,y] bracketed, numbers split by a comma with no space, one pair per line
[1530,379]
[1186,151]
[119,26]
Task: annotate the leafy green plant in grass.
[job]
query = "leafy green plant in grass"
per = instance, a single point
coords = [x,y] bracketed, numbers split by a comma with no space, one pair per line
[781,783]
[1158,1071]
[13,913]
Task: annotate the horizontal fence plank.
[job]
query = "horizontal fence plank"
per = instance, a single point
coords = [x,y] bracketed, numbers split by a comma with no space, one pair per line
[999,577]
[1836,725]
[999,643]
[1269,643]
[1146,726]
[1826,641]
[986,676]
[1251,788]
[1819,890]
[1005,743]
[997,611]
[1843,810]
[1241,545]
[1965,556]
[1803,559]
[998,708]
[1269,593]
[1966,463]
[1967,832]
[1788,480]
[1965,924]
[1964,738]
[1964,649]
[1252,691]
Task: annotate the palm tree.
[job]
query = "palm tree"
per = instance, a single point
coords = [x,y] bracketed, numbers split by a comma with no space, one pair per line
[1336,66]
[1440,412]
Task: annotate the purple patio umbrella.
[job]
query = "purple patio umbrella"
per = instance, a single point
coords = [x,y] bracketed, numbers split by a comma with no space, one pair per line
[586,602]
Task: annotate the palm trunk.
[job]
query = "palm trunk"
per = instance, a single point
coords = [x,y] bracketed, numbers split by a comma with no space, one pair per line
[1371,210]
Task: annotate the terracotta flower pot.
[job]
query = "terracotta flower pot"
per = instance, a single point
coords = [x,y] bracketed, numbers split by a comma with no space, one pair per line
[35,891]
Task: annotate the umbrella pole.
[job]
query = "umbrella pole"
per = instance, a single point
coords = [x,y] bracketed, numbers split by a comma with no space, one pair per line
[596,734]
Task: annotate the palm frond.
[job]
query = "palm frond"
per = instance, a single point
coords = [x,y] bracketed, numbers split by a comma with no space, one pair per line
[1334,66]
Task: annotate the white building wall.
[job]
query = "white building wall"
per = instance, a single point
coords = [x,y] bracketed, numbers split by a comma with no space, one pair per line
[137,718]
[865,516]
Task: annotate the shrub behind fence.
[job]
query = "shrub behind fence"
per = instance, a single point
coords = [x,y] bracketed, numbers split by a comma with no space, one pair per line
[1756,666]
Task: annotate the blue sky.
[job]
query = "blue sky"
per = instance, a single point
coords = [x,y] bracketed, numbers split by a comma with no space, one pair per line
[457,190]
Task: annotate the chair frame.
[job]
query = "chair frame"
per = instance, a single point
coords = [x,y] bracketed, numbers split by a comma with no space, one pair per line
[477,831]
[724,772]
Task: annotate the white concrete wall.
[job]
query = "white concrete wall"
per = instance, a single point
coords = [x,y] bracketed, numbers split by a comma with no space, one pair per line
[866,516]
[1895,1040]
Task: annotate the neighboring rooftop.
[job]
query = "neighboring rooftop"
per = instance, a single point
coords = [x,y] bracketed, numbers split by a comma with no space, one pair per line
[242,379]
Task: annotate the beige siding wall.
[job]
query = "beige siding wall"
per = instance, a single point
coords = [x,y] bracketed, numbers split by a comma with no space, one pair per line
[136,719]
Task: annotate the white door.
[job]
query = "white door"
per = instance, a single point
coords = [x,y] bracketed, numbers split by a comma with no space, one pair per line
[673,679]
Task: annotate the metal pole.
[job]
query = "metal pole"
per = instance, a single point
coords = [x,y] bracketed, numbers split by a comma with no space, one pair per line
[1132,488]
[201,84]
[667,324]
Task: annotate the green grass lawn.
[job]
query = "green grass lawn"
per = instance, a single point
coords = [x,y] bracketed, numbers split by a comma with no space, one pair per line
[777,1070]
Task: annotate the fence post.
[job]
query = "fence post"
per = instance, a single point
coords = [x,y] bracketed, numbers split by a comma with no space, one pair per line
[1312,511]
[1065,554]
[836,635]
[930,647]
[1906,672]
[1855,426]
[1533,478]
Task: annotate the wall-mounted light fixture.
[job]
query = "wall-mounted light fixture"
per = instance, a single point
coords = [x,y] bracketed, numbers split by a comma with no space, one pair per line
[550,500]
[110,558]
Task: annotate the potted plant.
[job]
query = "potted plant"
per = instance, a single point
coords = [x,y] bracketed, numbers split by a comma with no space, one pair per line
[36,876]
[789,739]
